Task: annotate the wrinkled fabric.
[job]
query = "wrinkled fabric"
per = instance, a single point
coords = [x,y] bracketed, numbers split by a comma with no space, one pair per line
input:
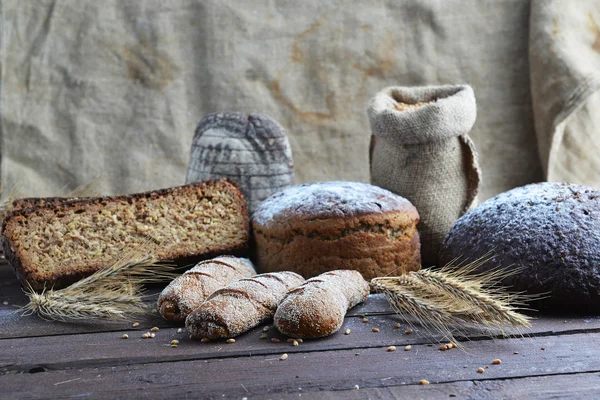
[114,89]
[565,87]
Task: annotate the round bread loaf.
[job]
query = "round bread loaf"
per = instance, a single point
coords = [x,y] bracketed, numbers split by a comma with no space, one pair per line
[550,229]
[319,227]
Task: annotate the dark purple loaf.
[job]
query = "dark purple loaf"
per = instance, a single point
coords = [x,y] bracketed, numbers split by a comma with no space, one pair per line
[552,229]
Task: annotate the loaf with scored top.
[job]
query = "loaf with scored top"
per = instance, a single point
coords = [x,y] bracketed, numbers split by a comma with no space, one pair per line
[188,291]
[317,307]
[240,306]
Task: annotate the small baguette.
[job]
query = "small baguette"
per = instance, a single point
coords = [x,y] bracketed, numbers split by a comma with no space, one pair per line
[240,306]
[318,307]
[186,292]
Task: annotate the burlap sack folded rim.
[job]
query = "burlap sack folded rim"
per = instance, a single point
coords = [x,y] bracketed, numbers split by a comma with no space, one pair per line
[452,112]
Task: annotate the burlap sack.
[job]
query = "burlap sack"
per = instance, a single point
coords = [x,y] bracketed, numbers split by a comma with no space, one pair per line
[423,153]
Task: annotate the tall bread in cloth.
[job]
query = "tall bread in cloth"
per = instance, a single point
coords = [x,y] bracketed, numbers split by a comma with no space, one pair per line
[250,149]
[420,150]
[324,226]
[186,292]
[240,306]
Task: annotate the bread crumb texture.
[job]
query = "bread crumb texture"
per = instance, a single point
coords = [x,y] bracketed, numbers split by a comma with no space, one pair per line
[55,243]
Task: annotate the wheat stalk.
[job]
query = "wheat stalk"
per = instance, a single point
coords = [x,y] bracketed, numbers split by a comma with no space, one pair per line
[455,299]
[114,292]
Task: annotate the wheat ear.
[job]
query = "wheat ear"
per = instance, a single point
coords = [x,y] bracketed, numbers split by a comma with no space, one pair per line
[455,299]
[114,292]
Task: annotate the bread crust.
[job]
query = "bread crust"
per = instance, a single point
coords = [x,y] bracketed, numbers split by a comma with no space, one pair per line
[317,307]
[550,229]
[314,228]
[241,305]
[189,290]
[29,275]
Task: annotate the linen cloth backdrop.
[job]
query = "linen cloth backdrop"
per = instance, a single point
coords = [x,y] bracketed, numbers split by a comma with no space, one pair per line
[114,89]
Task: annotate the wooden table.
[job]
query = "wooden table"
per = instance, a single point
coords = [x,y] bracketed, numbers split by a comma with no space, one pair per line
[558,357]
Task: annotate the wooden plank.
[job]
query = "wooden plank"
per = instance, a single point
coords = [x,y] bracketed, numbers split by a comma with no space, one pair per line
[571,386]
[108,348]
[267,375]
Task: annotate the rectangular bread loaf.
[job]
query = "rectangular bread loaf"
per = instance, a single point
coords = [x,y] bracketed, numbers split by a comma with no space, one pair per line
[55,242]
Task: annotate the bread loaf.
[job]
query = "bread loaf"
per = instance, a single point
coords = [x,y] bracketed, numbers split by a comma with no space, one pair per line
[550,230]
[240,306]
[57,243]
[186,292]
[250,149]
[319,227]
[317,308]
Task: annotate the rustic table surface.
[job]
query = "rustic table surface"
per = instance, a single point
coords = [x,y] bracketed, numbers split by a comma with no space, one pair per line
[559,357]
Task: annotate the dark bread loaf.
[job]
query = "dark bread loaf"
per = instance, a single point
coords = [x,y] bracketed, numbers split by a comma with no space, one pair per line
[320,227]
[250,149]
[59,242]
[189,290]
[240,306]
[317,307]
[551,229]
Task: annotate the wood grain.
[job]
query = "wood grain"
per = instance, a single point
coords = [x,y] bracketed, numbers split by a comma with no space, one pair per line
[262,375]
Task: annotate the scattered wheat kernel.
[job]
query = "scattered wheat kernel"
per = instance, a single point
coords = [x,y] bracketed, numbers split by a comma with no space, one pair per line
[516,352]
[284,356]
[152,334]
[300,340]
[266,329]
[375,330]
[480,370]
[231,340]
[365,320]
[356,387]
[125,336]
[136,324]
[275,340]
[297,376]
[290,340]
[179,330]
[408,332]
[146,335]
[497,361]
[543,348]
[347,332]
[175,341]
[205,340]
[391,348]
[398,325]
[407,348]
[453,345]
[295,343]
[263,336]
[423,382]
[155,329]
[443,347]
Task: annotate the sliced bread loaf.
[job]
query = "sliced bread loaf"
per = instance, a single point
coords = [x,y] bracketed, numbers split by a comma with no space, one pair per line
[57,242]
